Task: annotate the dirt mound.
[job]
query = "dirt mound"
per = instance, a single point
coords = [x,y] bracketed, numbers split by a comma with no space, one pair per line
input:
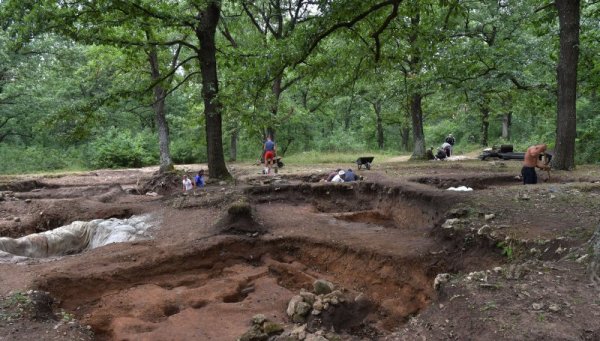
[240,220]
[162,183]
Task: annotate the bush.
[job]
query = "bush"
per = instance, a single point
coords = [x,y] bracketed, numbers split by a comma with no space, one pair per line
[119,148]
[20,159]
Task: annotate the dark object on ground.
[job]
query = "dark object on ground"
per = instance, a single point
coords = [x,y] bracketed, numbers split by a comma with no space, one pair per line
[276,161]
[441,154]
[505,152]
[364,161]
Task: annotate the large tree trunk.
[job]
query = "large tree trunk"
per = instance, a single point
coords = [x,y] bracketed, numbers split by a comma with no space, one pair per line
[568,16]
[485,124]
[377,108]
[416,114]
[506,124]
[405,137]
[166,164]
[205,32]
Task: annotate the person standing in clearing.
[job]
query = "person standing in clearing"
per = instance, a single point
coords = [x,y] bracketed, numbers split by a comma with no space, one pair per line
[270,150]
[187,183]
[531,161]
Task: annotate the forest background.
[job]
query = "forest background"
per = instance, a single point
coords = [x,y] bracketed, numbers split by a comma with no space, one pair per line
[133,83]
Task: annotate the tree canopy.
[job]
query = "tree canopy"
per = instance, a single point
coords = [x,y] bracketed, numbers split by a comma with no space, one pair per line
[129,83]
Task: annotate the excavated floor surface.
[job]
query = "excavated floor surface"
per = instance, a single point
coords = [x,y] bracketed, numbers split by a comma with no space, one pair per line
[208,269]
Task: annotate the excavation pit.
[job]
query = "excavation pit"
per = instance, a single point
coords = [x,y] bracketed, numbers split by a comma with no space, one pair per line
[187,296]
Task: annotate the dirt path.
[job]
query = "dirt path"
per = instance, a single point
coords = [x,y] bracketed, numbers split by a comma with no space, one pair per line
[234,250]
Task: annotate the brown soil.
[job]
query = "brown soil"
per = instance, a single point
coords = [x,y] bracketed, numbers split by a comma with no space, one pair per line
[232,250]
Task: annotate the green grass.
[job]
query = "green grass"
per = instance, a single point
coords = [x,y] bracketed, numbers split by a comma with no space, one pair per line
[314,157]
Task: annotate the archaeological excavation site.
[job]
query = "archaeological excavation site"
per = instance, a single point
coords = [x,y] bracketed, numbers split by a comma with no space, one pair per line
[125,255]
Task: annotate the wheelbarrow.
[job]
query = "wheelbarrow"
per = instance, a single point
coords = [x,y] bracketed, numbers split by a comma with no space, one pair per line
[364,161]
[277,162]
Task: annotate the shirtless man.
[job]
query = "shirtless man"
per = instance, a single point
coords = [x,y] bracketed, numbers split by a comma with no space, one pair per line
[531,161]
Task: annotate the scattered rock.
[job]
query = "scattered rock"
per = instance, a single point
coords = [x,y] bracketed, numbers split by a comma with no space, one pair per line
[16,219]
[489,217]
[254,334]
[152,194]
[291,309]
[458,213]
[28,200]
[483,230]
[554,308]
[448,224]
[258,319]
[307,297]
[537,306]
[299,332]
[440,279]
[302,308]
[322,287]
[271,328]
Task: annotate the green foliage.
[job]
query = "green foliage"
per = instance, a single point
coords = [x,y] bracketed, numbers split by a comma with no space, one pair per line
[21,159]
[507,249]
[120,148]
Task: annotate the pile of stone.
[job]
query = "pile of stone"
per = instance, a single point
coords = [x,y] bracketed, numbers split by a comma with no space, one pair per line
[308,303]
[261,330]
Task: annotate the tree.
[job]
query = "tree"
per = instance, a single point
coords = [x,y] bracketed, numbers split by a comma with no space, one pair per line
[566,118]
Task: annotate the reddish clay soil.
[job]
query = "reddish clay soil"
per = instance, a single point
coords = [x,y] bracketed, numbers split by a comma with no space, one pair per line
[515,256]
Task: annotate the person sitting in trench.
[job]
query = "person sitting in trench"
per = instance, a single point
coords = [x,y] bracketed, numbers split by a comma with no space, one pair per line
[531,161]
[332,175]
[339,177]
[350,176]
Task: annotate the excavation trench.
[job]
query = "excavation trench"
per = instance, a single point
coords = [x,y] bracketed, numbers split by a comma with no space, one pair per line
[187,296]
[374,242]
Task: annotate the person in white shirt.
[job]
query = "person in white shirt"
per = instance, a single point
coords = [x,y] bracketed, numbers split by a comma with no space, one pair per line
[339,177]
[187,184]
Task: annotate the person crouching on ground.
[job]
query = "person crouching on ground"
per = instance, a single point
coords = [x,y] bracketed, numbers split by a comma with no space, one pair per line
[447,147]
[199,179]
[339,177]
[187,183]
[531,161]
[350,176]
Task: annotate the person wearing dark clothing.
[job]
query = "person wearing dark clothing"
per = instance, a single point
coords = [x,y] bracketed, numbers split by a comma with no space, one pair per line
[350,176]
[441,154]
[450,139]
[199,179]
[531,161]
